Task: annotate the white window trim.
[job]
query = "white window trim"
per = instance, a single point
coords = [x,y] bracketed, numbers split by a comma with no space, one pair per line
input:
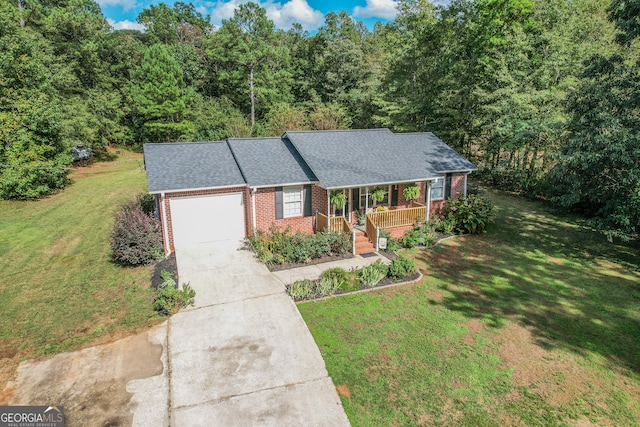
[431,189]
[294,189]
[368,200]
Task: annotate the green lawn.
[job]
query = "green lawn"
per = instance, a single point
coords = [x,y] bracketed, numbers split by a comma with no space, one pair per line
[60,289]
[536,322]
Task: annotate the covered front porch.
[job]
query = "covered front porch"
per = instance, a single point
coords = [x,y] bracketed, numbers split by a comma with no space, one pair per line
[365,211]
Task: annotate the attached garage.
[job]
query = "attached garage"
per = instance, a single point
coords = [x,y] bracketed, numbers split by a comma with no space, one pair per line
[207,219]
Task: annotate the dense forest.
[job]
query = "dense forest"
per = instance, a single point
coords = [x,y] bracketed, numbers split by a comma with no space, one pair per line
[543,95]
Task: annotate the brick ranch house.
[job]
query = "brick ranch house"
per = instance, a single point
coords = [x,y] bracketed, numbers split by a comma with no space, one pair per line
[226,190]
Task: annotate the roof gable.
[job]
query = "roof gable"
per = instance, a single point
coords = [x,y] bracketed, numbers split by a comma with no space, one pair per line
[351,158]
[270,162]
[190,166]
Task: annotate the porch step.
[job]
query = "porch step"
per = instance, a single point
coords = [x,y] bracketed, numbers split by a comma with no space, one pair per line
[363,245]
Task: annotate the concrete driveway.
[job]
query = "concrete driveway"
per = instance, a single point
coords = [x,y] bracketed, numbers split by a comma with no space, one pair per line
[243,356]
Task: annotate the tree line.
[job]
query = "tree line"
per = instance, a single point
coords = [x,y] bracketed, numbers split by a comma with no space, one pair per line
[542,95]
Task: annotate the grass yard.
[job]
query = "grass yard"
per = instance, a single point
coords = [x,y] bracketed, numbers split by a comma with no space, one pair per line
[536,322]
[60,289]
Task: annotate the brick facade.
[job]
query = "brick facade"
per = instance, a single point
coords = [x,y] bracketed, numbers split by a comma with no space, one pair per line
[457,190]
[266,211]
[266,208]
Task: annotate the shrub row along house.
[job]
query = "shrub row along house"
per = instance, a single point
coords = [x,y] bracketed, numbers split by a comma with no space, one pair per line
[227,190]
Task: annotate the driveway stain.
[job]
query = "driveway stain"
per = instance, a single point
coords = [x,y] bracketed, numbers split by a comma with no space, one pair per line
[89,383]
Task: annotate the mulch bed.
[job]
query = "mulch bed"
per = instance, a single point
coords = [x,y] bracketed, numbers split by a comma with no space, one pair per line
[324,258]
[381,284]
[167,264]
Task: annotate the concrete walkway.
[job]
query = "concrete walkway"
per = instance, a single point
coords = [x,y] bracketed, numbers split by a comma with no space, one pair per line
[313,272]
[243,356]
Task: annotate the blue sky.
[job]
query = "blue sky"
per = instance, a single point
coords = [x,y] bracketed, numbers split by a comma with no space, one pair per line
[122,14]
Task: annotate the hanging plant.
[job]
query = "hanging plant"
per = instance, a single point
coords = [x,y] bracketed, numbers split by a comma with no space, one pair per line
[411,192]
[338,199]
[377,194]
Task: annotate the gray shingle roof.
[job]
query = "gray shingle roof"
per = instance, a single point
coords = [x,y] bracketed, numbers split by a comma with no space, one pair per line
[432,150]
[351,158]
[191,165]
[335,159]
[270,161]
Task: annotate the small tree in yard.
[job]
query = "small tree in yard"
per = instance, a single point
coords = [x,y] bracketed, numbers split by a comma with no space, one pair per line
[137,237]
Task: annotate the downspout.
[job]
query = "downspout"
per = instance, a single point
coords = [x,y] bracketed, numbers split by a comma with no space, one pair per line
[428,200]
[465,185]
[164,225]
[329,211]
[253,211]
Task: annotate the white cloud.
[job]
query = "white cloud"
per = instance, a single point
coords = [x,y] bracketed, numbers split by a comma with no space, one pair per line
[125,25]
[282,15]
[126,4]
[385,9]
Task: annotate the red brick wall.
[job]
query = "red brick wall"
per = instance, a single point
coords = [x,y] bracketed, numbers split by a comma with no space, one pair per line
[165,205]
[266,211]
[457,190]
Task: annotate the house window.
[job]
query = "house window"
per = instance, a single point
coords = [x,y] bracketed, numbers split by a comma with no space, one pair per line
[437,189]
[363,197]
[292,201]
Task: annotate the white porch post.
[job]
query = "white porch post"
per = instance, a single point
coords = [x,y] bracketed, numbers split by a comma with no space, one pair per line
[428,200]
[350,206]
[328,205]
[366,201]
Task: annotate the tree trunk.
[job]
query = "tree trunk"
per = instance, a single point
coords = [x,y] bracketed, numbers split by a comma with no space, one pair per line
[20,6]
[253,99]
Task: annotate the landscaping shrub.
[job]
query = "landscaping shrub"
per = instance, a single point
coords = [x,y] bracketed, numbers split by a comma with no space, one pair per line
[169,299]
[331,280]
[372,274]
[411,238]
[137,236]
[303,289]
[277,247]
[402,266]
[469,214]
[147,203]
[393,244]
[421,234]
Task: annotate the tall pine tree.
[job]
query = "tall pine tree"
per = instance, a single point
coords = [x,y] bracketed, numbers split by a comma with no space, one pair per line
[160,97]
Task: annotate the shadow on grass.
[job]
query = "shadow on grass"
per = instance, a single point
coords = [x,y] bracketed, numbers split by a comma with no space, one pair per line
[570,287]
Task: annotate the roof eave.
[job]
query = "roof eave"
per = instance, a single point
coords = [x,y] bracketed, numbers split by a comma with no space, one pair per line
[183,190]
[283,185]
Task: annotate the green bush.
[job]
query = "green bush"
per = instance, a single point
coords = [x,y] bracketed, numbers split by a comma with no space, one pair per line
[328,286]
[402,266]
[411,238]
[277,247]
[469,214]
[393,244]
[301,290]
[331,280]
[421,234]
[370,275]
[137,237]
[169,299]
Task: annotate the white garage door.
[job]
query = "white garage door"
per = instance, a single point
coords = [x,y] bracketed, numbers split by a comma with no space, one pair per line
[206,219]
